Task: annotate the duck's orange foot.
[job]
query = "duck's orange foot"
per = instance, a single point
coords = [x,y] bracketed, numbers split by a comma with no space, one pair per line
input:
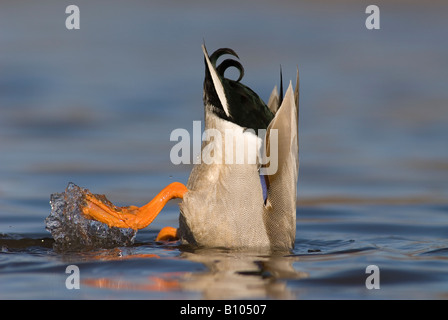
[131,217]
[167,234]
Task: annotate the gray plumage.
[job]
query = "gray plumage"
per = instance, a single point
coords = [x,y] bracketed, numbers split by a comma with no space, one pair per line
[224,205]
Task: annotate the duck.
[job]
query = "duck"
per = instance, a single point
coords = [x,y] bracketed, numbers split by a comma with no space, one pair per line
[245,204]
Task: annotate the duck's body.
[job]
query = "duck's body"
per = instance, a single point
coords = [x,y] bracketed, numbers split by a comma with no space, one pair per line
[230,204]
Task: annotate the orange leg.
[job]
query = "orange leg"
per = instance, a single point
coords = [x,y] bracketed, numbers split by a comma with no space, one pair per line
[132,216]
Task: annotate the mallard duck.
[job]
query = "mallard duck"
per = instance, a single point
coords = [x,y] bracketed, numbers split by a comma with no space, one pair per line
[239,205]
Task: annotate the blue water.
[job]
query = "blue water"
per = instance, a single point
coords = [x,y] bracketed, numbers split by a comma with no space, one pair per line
[96,106]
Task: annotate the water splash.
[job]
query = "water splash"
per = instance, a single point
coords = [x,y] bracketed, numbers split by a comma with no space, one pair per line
[72,231]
